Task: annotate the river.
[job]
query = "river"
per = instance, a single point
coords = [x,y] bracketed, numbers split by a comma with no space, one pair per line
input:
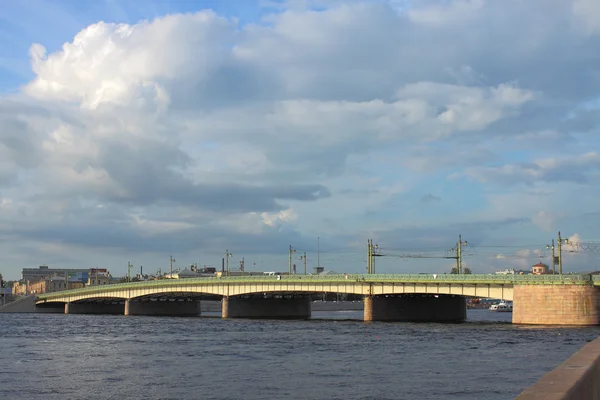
[332,356]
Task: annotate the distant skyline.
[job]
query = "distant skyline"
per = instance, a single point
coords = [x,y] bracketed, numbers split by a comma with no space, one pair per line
[135,130]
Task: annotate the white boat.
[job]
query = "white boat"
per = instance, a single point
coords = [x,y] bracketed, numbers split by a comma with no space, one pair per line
[503,306]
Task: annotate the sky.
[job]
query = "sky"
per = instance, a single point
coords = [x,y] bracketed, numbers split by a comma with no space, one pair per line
[132,131]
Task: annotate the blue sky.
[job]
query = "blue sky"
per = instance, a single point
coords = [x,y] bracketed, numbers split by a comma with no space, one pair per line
[133,130]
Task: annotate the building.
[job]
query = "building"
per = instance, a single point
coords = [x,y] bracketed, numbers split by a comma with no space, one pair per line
[539,269]
[237,273]
[98,276]
[42,272]
[53,284]
[511,271]
[19,288]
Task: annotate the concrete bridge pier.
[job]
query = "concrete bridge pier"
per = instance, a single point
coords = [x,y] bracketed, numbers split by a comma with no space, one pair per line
[94,308]
[416,308]
[295,307]
[188,308]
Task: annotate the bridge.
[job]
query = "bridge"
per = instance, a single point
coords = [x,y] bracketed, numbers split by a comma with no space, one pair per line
[538,299]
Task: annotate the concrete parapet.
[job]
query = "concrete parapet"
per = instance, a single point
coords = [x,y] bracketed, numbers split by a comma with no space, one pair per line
[556,305]
[266,307]
[576,378]
[94,308]
[172,308]
[417,308]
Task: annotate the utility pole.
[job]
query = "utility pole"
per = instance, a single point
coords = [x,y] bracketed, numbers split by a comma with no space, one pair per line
[459,254]
[227,255]
[369,257]
[242,266]
[371,254]
[560,240]
[459,245]
[292,251]
[457,261]
[172,260]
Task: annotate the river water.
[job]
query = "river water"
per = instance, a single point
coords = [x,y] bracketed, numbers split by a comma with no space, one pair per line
[332,356]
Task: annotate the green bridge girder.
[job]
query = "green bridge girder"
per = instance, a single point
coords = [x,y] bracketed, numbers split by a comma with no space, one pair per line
[474,279]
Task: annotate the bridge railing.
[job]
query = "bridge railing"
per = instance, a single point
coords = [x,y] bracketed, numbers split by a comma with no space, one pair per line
[339,278]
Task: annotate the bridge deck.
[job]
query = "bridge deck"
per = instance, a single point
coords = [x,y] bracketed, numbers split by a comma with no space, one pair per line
[496,286]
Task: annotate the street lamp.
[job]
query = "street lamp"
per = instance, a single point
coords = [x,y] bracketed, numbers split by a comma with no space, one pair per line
[292,251]
[129,266]
[553,257]
[227,255]
[172,260]
[303,257]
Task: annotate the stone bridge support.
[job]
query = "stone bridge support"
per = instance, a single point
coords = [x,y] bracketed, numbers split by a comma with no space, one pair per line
[188,308]
[576,304]
[297,307]
[416,308]
[94,308]
[50,308]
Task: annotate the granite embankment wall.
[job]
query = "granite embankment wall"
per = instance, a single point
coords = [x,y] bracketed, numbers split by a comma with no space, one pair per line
[23,305]
[577,378]
[556,305]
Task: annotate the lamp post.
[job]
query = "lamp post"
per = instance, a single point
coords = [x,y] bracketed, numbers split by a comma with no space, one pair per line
[172,260]
[292,251]
[553,257]
[227,255]
[303,257]
[129,266]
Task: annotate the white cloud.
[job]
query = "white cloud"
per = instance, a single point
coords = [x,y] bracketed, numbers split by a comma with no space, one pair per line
[447,12]
[587,16]
[580,168]
[283,216]
[544,220]
[122,64]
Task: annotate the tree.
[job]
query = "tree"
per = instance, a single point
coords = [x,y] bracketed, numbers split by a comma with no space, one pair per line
[466,270]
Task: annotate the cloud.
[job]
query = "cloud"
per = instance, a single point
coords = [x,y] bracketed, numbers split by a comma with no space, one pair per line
[586,16]
[194,133]
[581,168]
[429,198]
[544,220]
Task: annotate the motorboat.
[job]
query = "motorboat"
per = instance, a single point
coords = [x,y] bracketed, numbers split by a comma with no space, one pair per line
[503,306]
